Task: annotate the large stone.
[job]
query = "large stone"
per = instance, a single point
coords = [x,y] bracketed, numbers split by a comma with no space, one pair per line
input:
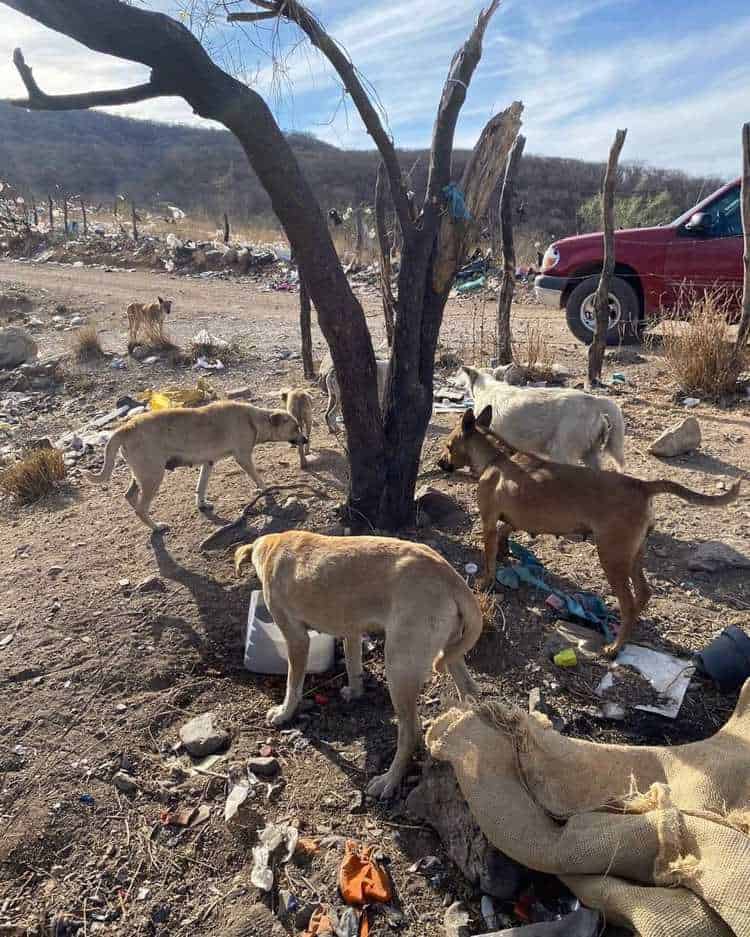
[438,800]
[712,556]
[678,439]
[16,347]
[201,737]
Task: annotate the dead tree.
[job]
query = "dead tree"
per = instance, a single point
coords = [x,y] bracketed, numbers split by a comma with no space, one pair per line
[744,330]
[601,301]
[65,212]
[226,228]
[503,343]
[384,245]
[51,214]
[134,218]
[85,220]
[384,453]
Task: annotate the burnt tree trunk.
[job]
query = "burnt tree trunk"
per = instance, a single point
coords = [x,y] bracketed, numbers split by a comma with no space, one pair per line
[744,330]
[384,246]
[85,219]
[134,219]
[308,365]
[51,214]
[503,338]
[226,228]
[601,302]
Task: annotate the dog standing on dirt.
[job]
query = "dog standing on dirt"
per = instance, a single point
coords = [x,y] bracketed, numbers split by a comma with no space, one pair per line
[150,319]
[349,586]
[541,497]
[168,439]
[300,405]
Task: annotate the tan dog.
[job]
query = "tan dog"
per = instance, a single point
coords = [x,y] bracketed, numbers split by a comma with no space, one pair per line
[531,494]
[299,404]
[347,586]
[149,318]
[168,439]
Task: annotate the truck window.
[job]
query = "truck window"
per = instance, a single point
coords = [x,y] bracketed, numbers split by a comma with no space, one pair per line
[726,217]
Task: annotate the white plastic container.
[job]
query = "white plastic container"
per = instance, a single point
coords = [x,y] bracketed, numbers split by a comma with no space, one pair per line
[265,647]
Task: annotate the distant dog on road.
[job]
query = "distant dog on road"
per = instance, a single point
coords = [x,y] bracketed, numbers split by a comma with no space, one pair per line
[349,586]
[148,318]
[169,439]
[299,403]
[331,383]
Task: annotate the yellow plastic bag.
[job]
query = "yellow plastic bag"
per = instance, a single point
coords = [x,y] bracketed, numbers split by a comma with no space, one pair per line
[170,397]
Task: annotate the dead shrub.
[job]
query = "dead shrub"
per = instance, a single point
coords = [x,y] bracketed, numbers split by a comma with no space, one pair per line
[698,349]
[534,354]
[33,476]
[487,602]
[86,344]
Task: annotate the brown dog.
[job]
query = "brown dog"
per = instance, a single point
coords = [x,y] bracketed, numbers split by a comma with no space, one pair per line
[299,404]
[349,586]
[531,494]
[148,317]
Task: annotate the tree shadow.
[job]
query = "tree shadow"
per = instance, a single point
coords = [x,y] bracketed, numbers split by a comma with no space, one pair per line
[702,462]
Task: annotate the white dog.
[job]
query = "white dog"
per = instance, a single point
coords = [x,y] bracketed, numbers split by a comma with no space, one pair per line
[555,423]
[328,376]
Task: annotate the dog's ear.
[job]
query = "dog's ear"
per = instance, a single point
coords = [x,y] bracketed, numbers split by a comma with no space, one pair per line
[468,421]
[485,417]
[161,301]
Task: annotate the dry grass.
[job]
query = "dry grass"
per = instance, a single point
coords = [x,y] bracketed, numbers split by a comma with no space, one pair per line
[86,345]
[34,476]
[534,353]
[699,352]
[487,602]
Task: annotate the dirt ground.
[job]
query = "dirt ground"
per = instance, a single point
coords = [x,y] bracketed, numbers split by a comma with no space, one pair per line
[97,676]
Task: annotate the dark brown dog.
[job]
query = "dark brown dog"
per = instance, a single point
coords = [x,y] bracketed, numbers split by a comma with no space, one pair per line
[528,493]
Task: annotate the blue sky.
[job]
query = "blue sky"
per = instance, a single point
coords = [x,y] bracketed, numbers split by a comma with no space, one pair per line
[676,74]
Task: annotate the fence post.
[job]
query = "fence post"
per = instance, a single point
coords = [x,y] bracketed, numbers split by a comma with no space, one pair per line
[65,212]
[135,222]
[51,214]
[744,329]
[226,228]
[601,302]
[85,220]
[503,343]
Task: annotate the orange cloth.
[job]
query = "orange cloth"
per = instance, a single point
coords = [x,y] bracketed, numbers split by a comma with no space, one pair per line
[361,879]
[320,925]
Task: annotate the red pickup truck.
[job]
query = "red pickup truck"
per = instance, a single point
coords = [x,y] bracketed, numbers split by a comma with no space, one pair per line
[701,250]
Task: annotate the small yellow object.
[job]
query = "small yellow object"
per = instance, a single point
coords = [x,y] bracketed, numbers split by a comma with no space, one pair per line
[180,397]
[566,658]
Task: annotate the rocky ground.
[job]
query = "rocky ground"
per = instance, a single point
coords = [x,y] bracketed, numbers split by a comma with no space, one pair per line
[110,643]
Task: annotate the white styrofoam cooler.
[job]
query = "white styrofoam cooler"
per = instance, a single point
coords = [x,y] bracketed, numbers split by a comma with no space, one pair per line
[265,647]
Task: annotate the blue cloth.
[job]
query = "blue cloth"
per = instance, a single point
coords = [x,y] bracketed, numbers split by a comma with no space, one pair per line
[586,606]
[456,204]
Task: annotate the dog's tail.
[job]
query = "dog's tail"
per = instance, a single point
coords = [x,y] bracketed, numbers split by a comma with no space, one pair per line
[613,436]
[470,617]
[242,556]
[110,454]
[664,487]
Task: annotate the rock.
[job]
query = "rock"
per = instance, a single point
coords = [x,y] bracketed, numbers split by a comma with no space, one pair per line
[712,556]
[456,921]
[41,443]
[151,584]
[437,800]
[123,782]
[16,347]
[678,439]
[54,570]
[139,352]
[263,767]
[442,510]
[200,737]
[510,373]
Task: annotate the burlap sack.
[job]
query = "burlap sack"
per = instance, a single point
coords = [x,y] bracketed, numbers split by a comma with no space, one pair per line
[656,838]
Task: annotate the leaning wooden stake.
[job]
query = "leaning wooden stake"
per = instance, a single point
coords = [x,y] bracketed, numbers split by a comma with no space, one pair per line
[744,329]
[65,213]
[135,222]
[601,302]
[85,219]
[51,213]
[386,290]
[226,228]
[503,344]
[308,365]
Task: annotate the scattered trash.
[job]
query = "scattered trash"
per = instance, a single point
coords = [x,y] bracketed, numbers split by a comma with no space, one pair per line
[307,846]
[265,646]
[142,894]
[170,397]
[123,782]
[270,839]
[456,921]
[207,365]
[471,286]
[150,584]
[186,816]
[471,568]
[236,799]
[581,923]
[87,799]
[678,439]
[264,767]
[5,641]
[487,909]
[361,878]
[566,658]
[668,675]
[320,699]
[200,737]
[619,378]
[690,402]
[726,660]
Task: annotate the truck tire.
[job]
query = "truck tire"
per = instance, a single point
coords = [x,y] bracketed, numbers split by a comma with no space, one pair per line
[625,320]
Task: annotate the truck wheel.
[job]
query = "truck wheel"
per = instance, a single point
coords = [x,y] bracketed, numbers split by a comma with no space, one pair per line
[624,312]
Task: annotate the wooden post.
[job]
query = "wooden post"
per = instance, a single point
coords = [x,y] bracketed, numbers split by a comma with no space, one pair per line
[65,212]
[85,220]
[226,228]
[389,304]
[601,302]
[34,210]
[51,214]
[744,329]
[304,326]
[135,222]
[503,344]
[114,210]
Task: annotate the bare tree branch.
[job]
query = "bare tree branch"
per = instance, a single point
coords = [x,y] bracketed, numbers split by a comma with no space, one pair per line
[389,303]
[39,101]
[454,94]
[503,342]
[297,13]
[252,17]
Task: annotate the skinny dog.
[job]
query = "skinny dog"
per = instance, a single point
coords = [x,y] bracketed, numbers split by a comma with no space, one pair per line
[168,439]
[531,494]
[148,317]
[299,404]
[347,586]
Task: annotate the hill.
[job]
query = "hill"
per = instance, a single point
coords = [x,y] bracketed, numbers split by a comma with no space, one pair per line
[205,171]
